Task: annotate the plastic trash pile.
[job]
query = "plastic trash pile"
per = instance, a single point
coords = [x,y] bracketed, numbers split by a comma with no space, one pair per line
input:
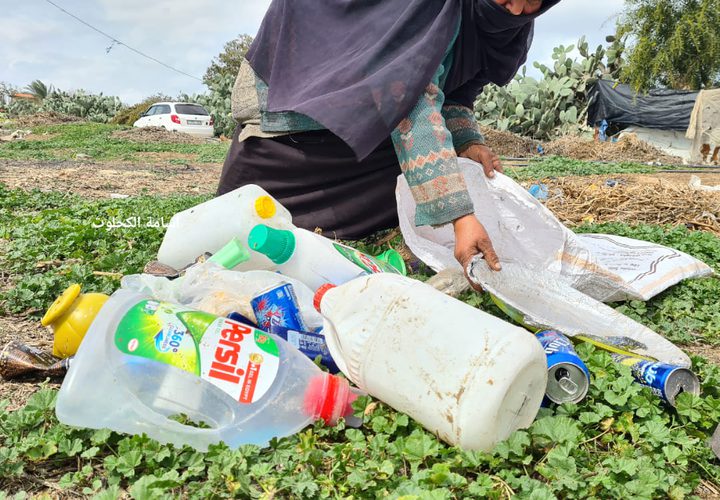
[222,330]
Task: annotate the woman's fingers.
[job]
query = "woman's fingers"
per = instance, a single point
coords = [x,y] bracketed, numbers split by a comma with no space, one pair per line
[488,252]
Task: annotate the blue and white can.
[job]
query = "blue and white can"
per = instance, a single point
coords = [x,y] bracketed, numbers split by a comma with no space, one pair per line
[310,344]
[664,380]
[278,306]
[568,377]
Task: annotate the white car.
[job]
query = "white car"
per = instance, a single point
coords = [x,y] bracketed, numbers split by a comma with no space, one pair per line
[185,117]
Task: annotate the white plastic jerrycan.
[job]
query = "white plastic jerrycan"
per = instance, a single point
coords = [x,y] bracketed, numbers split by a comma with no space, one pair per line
[144,364]
[316,260]
[209,226]
[468,377]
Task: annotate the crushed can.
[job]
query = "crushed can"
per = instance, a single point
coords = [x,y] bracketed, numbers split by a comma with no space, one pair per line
[18,360]
[664,380]
[310,344]
[568,377]
[278,306]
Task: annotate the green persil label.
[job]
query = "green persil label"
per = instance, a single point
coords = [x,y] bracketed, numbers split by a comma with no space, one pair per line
[364,261]
[238,359]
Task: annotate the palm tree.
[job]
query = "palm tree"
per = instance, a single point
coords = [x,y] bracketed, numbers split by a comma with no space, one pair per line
[39,90]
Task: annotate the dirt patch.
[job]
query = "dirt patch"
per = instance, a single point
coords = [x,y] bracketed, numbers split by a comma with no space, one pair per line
[633,198]
[28,331]
[45,118]
[508,144]
[711,353]
[156,134]
[628,149]
[100,180]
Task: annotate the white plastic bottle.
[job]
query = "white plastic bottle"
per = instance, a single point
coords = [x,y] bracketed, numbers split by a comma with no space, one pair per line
[143,361]
[468,377]
[209,226]
[314,259]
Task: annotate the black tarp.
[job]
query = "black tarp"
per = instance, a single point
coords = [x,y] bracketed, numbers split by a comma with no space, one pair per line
[621,106]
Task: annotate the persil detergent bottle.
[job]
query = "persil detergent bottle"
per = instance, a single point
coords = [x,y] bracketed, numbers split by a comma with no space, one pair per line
[316,260]
[209,226]
[144,364]
[466,376]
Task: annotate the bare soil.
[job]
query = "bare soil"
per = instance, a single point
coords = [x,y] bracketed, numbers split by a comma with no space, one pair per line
[627,149]
[100,180]
[156,134]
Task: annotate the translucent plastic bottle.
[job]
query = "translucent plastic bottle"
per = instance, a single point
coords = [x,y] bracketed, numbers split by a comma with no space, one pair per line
[468,377]
[145,364]
[209,226]
[316,260]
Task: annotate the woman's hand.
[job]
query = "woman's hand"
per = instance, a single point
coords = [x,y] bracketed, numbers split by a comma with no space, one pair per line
[483,155]
[472,239]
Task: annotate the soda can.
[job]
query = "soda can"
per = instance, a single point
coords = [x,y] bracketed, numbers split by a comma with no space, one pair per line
[236,316]
[278,306]
[664,380]
[310,344]
[568,377]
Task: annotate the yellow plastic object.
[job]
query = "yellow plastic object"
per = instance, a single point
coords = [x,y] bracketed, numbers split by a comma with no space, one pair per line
[70,316]
[265,207]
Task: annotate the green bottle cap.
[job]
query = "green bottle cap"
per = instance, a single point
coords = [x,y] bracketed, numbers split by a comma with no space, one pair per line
[232,254]
[277,244]
[393,258]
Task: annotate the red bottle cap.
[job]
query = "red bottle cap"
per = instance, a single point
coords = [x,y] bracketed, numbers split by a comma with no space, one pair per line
[330,397]
[320,293]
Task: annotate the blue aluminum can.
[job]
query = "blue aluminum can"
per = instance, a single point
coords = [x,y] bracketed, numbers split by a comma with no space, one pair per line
[568,377]
[664,380]
[310,344]
[278,306]
[236,316]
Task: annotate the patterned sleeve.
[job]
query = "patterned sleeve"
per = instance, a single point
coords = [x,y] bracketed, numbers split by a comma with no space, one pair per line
[424,147]
[462,125]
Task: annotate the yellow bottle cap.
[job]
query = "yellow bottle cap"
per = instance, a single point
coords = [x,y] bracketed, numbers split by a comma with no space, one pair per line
[70,317]
[61,304]
[265,207]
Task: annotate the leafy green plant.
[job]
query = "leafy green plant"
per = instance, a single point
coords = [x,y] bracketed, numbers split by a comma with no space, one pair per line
[618,443]
[557,166]
[130,114]
[555,104]
[218,102]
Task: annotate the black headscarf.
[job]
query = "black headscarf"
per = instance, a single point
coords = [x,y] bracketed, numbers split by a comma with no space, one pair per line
[359,67]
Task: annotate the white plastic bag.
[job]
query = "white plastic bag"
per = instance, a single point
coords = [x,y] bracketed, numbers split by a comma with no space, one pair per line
[216,290]
[547,302]
[608,268]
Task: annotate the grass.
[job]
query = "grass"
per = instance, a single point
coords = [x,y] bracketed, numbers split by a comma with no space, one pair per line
[95,140]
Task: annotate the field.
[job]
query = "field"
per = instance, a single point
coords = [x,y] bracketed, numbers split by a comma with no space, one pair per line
[621,442]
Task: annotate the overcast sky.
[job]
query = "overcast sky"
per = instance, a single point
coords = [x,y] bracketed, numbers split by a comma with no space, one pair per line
[38,41]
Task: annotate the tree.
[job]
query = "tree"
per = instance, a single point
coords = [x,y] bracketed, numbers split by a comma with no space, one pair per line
[39,90]
[671,43]
[229,60]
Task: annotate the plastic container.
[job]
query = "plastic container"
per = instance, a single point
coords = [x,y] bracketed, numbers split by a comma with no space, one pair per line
[209,226]
[466,376]
[144,361]
[312,258]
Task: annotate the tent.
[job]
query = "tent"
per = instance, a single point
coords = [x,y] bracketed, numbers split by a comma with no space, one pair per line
[660,117]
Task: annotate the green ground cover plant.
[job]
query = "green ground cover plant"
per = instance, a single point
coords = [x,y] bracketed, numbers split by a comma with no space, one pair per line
[95,140]
[621,442]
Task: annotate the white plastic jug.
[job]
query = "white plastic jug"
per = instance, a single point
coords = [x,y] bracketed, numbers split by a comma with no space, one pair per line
[209,226]
[468,377]
[144,361]
[312,258]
